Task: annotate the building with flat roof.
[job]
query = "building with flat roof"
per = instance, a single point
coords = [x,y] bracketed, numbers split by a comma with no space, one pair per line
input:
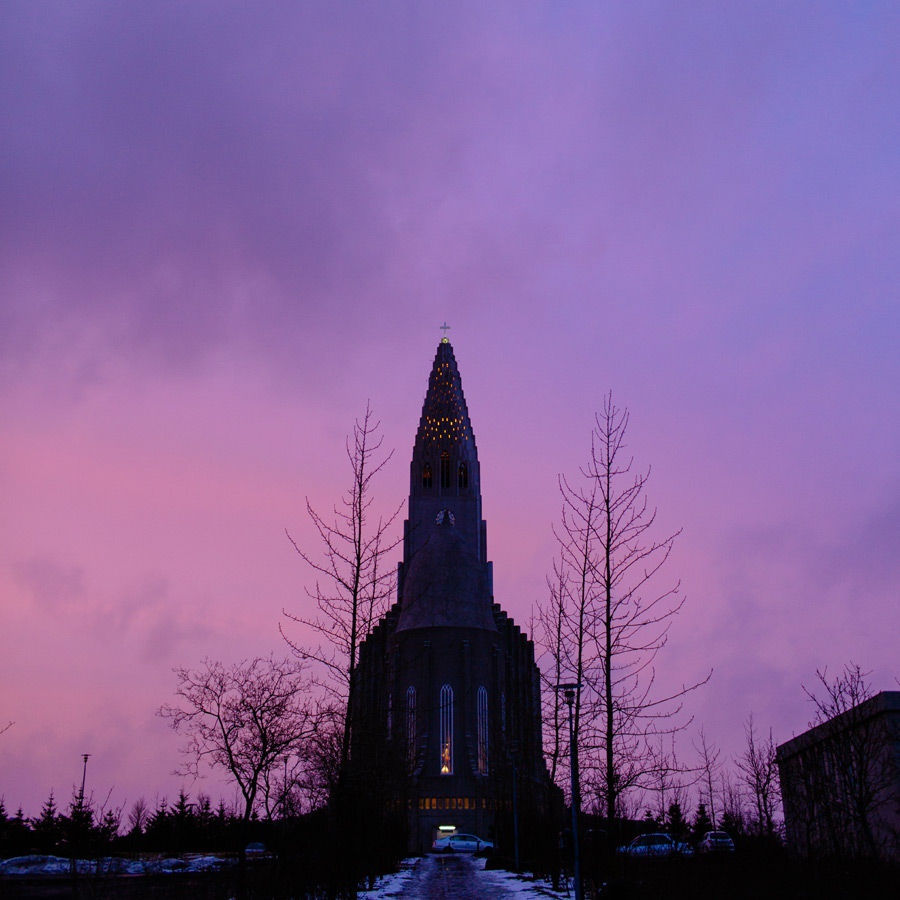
[840,783]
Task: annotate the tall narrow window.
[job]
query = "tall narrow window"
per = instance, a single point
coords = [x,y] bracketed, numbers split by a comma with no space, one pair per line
[462,477]
[446,730]
[445,469]
[426,475]
[482,730]
[390,714]
[411,724]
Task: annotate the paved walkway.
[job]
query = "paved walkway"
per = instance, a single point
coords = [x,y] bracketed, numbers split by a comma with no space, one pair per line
[454,876]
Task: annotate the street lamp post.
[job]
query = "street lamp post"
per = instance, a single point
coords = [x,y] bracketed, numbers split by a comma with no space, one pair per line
[569,692]
[85,757]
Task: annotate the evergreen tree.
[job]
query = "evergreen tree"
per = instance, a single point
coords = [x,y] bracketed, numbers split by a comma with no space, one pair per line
[108,828]
[47,827]
[18,834]
[676,824]
[733,823]
[702,823]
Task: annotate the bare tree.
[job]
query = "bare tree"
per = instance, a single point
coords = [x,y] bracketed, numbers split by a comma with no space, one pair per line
[608,617]
[244,719]
[709,767]
[548,629]
[759,772]
[139,815]
[357,586]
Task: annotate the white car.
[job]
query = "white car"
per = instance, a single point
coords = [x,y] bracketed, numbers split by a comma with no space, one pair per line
[461,843]
[716,841]
[655,846]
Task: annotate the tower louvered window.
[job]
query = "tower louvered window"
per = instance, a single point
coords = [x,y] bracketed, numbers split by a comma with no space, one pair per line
[463,477]
[446,730]
[482,730]
[445,469]
[426,475]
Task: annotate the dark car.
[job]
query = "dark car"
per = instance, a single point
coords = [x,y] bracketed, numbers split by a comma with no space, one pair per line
[655,846]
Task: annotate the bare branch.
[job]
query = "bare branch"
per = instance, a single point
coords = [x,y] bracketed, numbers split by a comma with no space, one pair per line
[607,619]
[356,587]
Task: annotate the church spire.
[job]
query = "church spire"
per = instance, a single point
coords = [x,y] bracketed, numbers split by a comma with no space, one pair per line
[444,472]
[445,425]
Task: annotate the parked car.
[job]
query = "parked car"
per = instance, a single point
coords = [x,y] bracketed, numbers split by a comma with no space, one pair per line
[655,846]
[716,842]
[461,843]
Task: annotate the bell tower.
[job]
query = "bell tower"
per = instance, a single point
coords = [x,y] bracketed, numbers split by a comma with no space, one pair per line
[444,472]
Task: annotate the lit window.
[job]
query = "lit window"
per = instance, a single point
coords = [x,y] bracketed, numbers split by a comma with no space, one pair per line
[482,705]
[446,730]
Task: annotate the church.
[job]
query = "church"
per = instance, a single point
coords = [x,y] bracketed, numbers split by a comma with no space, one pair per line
[449,695]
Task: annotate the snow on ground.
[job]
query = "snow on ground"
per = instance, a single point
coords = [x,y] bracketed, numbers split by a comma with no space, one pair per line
[491,882]
[494,881]
[56,865]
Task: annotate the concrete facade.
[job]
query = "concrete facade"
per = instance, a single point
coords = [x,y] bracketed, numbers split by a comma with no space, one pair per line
[840,783]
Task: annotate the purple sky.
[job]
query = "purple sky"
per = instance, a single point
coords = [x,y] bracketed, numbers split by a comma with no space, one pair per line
[225,226]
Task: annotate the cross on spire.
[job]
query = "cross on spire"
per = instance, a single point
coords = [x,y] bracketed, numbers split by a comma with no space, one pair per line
[445,328]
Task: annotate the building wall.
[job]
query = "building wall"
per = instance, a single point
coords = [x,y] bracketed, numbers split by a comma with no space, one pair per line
[840,783]
[466,659]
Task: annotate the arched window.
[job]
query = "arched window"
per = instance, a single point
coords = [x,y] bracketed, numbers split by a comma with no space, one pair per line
[411,724]
[462,478]
[482,730]
[446,730]
[503,711]
[445,469]
[426,475]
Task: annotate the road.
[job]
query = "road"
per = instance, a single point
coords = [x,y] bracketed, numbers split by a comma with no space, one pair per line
[453,876]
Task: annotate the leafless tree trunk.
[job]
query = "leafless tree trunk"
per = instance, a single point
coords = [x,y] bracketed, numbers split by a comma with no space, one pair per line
[549,632]
[357,584]
[709,767]
[609,619]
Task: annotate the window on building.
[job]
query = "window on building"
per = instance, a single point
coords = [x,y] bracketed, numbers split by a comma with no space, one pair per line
[390,714]
[411,724]
[426,475]
[482,704]
[462,477]
[445,469]
[446,730]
